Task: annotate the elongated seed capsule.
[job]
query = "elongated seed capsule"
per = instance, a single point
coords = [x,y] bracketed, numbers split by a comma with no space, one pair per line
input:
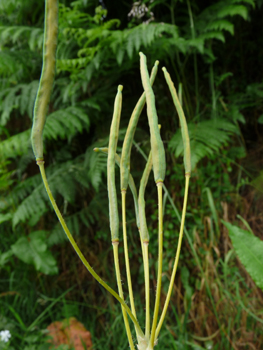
[184,128]
[47,76]
[158,154]
[127,143]
[131,182]
[113,140]
[143,183]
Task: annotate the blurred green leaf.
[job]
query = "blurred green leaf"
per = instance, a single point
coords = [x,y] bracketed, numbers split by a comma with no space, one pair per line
[249,249]
[34,250]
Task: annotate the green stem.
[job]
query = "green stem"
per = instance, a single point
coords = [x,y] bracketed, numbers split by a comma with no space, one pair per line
[160,262]
[147,289]
[118,277]
[176,258]
[126,254]
[195,57]
[40,163]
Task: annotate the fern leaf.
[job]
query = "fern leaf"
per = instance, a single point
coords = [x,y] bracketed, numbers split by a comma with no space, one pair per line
[233,10]
[221,24]
[212,35]
[97,164]
[249,249]
[10,102]
[15,145]
[33,204]
[206,138]
[65,123]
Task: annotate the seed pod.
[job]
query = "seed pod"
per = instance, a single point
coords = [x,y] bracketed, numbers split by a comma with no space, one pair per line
[184,129]
[113,140]
[131,182]
[127,143]
[143,183]
[47,76]
[158,154]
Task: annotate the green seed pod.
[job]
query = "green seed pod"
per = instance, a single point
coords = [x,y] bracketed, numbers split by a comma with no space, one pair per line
[113,140]
[47,76]
[127,143]
[158,153]
[131,182]
[143,183]
[184,129]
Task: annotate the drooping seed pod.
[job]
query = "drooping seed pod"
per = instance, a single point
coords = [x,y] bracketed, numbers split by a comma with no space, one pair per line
[47,76]
[113,140]
[131,182]
[127,143]
[141,200]
[158,153]
[184,128]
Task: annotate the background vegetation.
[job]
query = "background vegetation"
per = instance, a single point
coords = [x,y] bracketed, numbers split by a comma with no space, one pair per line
[213,49]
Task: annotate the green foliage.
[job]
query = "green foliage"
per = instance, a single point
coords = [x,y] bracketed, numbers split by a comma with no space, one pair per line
[98,49]
[249,249]
[206,138]
[34,250]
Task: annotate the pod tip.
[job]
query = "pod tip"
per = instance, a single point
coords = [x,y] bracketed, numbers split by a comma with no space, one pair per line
[164,69]
[156,63]
[95,149]
[120,87]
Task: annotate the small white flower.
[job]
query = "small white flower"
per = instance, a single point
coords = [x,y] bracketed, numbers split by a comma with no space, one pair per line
[5,336]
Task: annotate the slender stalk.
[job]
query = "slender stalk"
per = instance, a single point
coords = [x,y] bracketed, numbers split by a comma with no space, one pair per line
[118,277]
[187,177]
[195,57]
[160,262]
[40,163]
[147,289]
[126,254]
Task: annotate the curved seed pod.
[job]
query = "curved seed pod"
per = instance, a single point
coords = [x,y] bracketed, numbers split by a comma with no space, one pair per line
[158,154]
[113,140]
[184,129]
[127,143]
[47,76]
[131,182]
[143,183]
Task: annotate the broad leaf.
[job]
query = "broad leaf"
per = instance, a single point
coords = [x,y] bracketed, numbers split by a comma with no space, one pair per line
[249,249]
[34,250]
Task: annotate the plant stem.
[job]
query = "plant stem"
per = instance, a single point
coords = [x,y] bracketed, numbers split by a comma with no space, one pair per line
[187,177]
[147,289]
[195,57]
[126,254]
[118,277]
[160,262]
[40,163]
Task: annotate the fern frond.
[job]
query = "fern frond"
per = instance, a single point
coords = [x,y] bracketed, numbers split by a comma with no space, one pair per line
[233,10]
[13,34]
[206,138]
[212,35]
[15,145]
[64,180]
[21,96]
[97,165]
[220,24]
[65,123]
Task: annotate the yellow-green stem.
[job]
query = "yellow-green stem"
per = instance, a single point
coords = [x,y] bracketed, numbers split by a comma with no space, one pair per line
[126,254]
[160,262]
[147,289]
[187,177]
[118,277]
[40,163]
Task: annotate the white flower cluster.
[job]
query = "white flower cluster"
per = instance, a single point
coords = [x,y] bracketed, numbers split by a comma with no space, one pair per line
[139,10]
[5,336]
